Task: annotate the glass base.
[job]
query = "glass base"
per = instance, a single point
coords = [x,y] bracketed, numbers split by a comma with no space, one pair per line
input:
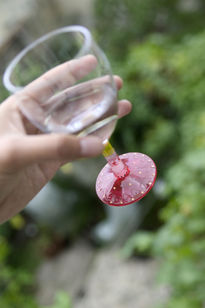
[123,191]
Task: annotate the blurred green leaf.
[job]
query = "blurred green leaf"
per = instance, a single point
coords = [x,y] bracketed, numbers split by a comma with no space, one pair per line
[139,243]
[62,300]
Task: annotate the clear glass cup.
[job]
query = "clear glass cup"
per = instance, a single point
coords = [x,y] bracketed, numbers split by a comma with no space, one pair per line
[85,106]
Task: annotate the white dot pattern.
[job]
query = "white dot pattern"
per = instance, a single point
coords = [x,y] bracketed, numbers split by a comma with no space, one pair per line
[133,187]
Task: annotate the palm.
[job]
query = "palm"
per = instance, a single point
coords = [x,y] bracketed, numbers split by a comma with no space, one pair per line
[21,185]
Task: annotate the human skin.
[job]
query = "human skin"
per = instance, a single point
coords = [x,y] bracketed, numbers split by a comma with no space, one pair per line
[28,158]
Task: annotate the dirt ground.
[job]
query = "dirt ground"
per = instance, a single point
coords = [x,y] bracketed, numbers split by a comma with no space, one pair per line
[100,279]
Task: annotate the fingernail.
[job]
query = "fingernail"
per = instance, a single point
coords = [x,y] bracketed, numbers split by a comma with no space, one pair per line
[91,146]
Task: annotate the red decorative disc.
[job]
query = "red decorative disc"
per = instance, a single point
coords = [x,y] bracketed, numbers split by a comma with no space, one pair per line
[118,192]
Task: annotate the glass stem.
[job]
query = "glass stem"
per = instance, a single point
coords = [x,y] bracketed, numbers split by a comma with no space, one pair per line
[119,168]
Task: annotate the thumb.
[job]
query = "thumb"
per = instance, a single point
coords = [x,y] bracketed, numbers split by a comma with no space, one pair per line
[17,152]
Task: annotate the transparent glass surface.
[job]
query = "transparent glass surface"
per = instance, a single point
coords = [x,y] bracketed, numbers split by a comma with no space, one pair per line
[85,106]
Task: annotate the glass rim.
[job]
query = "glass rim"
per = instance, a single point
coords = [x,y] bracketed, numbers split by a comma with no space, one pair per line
[75,28]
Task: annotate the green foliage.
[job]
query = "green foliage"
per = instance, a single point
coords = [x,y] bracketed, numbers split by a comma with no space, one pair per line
[164,78]
[3,92]
[139,243]
[61,301]
[183,302]
[122,22]
[17,267]
[14,282]
[170,79]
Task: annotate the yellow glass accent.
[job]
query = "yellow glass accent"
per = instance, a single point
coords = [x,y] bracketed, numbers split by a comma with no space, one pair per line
[17,222]
[67,168]
[108,150]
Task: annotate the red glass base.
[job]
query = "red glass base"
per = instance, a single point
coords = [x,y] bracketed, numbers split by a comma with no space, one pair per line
[133,187]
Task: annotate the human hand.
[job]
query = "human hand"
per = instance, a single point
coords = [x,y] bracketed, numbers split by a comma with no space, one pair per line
[28,158]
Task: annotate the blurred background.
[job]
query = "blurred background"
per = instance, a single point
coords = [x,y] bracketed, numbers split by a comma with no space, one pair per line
[67,249]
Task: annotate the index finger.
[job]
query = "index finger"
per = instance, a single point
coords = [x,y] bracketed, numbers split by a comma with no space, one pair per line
[60,77]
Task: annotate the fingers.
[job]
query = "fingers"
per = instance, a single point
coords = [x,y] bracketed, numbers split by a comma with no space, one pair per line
[78,91]
[19,152]
[60,77]
[118,82]
[124,107]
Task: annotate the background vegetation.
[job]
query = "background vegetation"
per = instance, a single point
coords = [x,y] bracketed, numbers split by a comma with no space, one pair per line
[158,48]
